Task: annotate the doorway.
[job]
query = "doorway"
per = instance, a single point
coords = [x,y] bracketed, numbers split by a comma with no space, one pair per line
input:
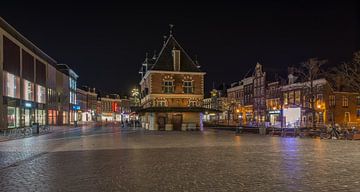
[161,123]
[177,121]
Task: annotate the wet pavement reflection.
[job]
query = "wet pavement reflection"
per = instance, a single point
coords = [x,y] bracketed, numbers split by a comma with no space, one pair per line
[121,159]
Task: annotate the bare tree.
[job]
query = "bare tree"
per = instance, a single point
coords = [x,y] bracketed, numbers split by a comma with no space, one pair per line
[350,72]
[310,71]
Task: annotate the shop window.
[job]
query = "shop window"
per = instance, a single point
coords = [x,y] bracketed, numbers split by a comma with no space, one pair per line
[13,118]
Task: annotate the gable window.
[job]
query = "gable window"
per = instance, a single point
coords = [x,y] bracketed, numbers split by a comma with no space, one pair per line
[345,101]
[188,87]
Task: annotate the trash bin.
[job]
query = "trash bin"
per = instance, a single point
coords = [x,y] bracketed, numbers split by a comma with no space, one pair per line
[36,128]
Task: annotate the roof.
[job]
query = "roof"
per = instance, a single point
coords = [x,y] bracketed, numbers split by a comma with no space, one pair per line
[164,61]
[23,40]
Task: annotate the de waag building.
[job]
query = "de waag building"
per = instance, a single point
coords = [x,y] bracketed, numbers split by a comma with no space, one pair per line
[172,90]
[34,87]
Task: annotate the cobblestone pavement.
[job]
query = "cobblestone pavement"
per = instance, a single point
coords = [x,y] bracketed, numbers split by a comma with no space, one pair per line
[114,159]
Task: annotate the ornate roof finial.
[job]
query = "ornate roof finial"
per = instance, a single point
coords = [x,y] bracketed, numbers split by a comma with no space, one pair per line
[171,28]
[196,62]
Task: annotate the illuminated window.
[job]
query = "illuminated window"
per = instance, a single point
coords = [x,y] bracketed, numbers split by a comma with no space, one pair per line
[28,91]
[168,86]
[319,99]
[297,97]
[188,87]
[332,100]
[345,101]
[12,84]
[285,98]
[40,90]
[291,97]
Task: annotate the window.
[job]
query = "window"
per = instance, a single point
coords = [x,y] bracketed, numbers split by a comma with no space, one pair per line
[345,101]
[40,90]
[347,117]
[358,113]
[331,100]
[192,103]
[297,97]
[188,87]
[161,103]
[319,99]
[168,86]
[72,97]
[12,84]
[72,84]
[358,100]
[28,91]
[291,97]
[285,98]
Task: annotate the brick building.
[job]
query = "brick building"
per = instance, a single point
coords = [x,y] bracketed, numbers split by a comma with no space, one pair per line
[172,90]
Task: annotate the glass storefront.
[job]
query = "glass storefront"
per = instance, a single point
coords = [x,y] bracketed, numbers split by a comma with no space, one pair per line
[52,117]
[40,116]
[13,117]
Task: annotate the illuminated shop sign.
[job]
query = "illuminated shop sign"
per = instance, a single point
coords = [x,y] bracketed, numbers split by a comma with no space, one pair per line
[28,105]
[76,107]
[274,112]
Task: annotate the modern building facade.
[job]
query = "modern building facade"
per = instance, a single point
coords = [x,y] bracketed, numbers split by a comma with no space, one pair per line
[172,90]
[31,83]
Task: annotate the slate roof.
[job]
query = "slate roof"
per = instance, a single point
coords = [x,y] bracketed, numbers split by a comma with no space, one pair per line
[164,61]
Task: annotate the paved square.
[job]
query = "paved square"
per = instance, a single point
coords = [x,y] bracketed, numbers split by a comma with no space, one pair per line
[113,159]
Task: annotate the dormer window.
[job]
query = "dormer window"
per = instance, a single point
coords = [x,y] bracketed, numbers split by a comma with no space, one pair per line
[176,59]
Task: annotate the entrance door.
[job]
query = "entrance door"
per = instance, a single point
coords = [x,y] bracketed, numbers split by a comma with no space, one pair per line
[177,121]
[161,123]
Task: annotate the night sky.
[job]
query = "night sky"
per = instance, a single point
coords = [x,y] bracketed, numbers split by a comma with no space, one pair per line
[105,43]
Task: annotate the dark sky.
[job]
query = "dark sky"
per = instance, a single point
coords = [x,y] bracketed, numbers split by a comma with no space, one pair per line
[105,42]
